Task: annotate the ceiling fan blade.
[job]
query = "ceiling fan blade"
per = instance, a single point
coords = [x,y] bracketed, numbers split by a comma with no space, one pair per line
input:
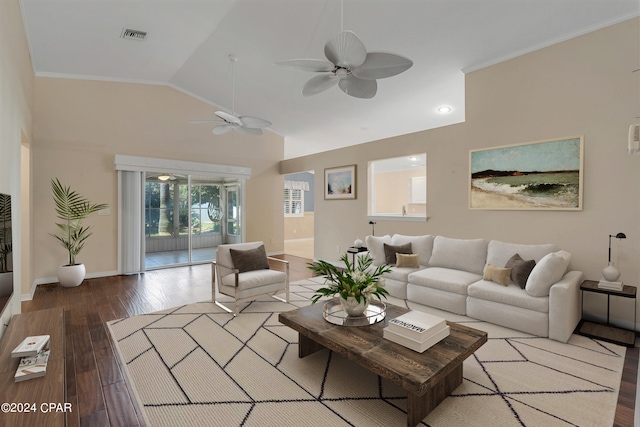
[248,131]
[313,65]
[222,129]
[319,84]
[206,121]
[380,65]
[345,50]
[254,122]
[358,88]
[228,117]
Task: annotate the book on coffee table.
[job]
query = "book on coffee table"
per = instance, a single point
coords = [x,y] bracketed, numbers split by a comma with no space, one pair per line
[420,346]
[416,325]
[32,366]
[30,346]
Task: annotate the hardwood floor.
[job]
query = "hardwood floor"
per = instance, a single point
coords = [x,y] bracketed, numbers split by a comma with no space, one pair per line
[96,386]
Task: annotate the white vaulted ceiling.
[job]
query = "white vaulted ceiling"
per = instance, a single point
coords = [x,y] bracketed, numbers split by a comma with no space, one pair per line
[188,45]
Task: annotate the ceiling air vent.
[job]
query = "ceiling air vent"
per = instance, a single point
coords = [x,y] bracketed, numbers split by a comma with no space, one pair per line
[133,34]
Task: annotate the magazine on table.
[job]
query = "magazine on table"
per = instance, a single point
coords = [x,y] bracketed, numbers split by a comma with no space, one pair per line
[416,325]
[30,346]
[32,366]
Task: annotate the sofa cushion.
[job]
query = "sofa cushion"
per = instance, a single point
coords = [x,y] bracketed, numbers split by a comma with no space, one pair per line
[510,295]
[400,274]
[376,248]
[499,275]
[445,279]
[548,271]
[421,245]
[498,253]
[250,259]
[459,254]
[520,269]
[407,260]
[390,252]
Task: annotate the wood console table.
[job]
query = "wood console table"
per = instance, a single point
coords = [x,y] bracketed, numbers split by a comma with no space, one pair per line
[37,393]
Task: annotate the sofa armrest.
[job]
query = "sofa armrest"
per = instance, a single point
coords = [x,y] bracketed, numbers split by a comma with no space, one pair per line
[564,306]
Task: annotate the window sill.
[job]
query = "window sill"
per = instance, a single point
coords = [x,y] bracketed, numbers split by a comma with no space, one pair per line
[407,218]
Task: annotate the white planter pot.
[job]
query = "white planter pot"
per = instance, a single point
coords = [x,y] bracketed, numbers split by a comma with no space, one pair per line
[352,307]
[71,275]
[6,284]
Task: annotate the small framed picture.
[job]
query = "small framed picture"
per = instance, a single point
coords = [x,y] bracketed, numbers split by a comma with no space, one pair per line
[340,183]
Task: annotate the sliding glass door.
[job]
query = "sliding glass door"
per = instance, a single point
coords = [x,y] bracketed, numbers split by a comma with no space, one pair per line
[187,217]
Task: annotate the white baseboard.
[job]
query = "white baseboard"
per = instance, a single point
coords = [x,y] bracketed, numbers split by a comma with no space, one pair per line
[48,280]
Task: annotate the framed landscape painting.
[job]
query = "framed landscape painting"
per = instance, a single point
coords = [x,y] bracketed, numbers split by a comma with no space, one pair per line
[340,183]
[544,175]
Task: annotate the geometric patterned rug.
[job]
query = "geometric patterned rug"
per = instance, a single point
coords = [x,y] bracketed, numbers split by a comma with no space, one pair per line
[197,365]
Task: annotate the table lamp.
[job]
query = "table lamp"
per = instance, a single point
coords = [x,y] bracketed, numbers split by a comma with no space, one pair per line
[610,272]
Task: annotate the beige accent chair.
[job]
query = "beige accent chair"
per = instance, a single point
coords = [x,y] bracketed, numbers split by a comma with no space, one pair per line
[249,285]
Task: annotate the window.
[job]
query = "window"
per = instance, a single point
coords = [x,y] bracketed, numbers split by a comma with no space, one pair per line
[161,213]
[398,188]
[293,202]
[205,208]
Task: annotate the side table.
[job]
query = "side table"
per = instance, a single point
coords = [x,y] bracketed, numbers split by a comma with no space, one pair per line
[355,251]
[607,331]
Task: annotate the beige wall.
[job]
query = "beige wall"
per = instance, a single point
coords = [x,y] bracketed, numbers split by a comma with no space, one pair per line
[584,86]
[80,125]
[16,105]
[394,191]
[299,227]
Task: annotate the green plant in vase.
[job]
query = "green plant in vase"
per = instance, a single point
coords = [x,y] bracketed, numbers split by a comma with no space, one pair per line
[356,284]
[72,209]
[6,245]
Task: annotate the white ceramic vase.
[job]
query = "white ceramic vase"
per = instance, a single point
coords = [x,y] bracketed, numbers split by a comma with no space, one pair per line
[610,273]
[352,307]
[70,276]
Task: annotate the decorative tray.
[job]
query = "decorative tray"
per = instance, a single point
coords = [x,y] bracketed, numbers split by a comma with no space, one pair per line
[334,313]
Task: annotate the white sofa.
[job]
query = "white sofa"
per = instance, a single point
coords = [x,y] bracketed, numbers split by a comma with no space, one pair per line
[451,276]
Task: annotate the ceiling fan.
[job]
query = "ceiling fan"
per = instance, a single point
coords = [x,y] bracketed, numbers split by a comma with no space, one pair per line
[350,66]
[243,124]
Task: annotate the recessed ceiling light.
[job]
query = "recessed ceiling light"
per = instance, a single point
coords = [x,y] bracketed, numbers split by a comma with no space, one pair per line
[444,109]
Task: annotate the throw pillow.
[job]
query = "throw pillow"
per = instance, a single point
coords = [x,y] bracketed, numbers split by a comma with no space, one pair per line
[407,260]
[376,248]
[520,269]
[250,259]
[497,274]
[390,252]
[547,272]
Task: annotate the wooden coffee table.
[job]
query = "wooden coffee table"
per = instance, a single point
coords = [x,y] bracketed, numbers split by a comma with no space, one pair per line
[428,377]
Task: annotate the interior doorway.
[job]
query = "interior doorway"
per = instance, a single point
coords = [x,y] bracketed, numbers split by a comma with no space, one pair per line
[299,214]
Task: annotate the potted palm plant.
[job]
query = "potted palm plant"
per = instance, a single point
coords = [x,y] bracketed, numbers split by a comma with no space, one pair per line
[72,209]
[6,246]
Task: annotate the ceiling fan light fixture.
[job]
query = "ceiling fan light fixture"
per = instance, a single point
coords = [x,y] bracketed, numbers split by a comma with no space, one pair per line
[164,177]
[350,65]
[226,122]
